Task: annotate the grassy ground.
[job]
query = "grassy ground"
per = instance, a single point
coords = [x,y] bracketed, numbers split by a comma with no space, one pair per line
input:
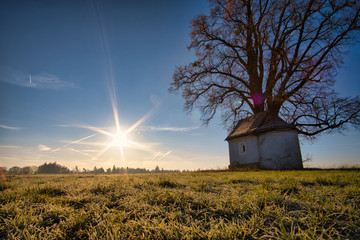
[203,205]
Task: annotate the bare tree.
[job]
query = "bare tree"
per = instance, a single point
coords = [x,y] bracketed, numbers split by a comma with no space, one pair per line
[278,56]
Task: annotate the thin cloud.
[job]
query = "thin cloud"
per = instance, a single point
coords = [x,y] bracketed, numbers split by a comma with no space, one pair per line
[40,81]
[42,147]
[170,129]
[9,127]
[155,101]
[64,125]
[11,147]
[8,158]
[90,151]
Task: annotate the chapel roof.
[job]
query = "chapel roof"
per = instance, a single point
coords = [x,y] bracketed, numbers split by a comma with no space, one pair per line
[258,123]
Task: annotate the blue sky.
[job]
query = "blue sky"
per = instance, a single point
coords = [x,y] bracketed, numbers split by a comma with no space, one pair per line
[64,63]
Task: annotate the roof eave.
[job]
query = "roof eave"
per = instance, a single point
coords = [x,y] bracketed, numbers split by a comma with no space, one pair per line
[256,132]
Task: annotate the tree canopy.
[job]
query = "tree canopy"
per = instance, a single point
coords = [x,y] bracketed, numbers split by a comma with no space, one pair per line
[278,56]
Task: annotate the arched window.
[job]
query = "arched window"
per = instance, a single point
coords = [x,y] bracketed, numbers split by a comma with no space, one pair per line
[242,148]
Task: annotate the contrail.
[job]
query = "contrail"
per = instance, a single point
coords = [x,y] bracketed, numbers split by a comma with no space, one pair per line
[81,152]
[76,141]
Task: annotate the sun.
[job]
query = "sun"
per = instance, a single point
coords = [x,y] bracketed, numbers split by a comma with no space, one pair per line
[120,140]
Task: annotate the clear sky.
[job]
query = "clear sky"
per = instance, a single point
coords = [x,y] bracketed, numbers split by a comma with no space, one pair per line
[67,66]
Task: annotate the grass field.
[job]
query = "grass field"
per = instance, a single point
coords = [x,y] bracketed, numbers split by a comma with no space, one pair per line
[199,205]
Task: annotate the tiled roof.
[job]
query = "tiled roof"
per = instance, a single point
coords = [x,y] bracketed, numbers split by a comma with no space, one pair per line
[260,122]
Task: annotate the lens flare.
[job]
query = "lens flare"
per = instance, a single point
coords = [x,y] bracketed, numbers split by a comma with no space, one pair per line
[3,176]
[257,98]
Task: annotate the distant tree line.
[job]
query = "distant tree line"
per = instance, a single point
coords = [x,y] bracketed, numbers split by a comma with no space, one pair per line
[55,168]
[21,170]
[52,168]
[122,170]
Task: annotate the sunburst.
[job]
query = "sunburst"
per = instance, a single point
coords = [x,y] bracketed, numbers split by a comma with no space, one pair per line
[116,139]
[119,139]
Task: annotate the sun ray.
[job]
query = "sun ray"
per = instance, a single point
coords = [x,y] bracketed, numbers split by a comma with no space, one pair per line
[122,154]
[116,117]
[109,73]
[139,122]
[140,146]
[101,152]
[119,138]
[96,129]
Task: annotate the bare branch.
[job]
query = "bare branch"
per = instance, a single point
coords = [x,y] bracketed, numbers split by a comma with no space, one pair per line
[286,50]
